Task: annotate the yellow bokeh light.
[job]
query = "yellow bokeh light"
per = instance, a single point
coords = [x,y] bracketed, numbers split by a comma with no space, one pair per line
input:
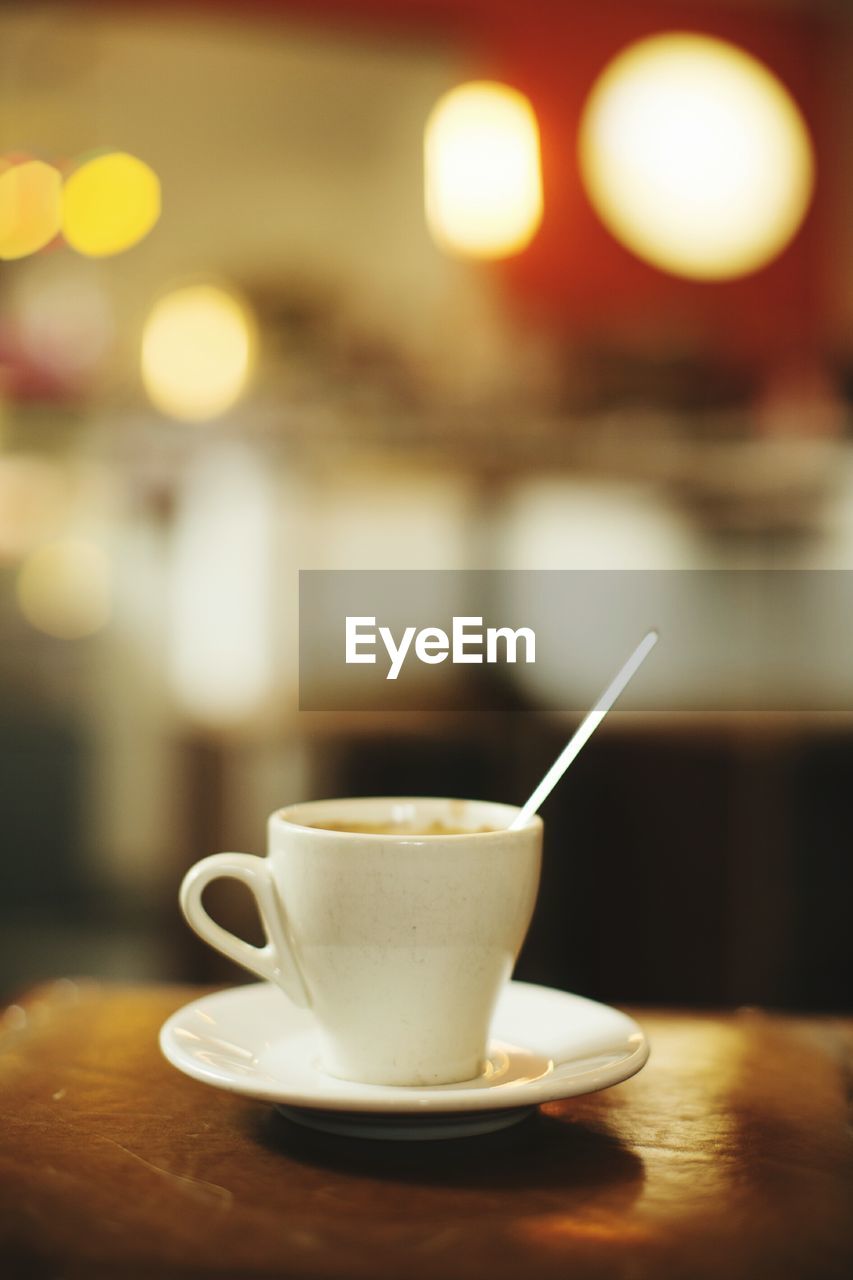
[695,156]
[109,204]
[30,207]
[64,589]
[482,171]
[197,352]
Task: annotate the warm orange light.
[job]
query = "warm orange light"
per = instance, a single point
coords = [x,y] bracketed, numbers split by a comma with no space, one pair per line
[30,207]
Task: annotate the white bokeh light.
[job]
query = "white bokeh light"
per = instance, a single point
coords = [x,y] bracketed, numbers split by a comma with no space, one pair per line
[482,174]
[198,349]
[695,156]
[222,631]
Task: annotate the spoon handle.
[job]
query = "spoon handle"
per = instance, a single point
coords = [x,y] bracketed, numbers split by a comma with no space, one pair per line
[585,730]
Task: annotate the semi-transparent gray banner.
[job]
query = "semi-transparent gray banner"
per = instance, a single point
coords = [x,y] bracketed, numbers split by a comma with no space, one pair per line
[730,640]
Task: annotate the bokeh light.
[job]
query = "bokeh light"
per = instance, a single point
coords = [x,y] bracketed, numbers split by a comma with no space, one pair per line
[482,172]
[197,352]
[223,654]
[30,207]
[109,204]
[64,588]
[695,156]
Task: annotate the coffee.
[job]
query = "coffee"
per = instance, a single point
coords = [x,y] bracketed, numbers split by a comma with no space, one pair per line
[435,828]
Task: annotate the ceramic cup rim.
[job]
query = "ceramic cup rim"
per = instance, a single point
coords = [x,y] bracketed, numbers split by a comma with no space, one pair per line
[296,817]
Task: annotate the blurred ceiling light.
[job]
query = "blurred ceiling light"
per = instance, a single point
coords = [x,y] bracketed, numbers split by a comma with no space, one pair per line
[109,204]
[197,352]
[33,499]
[483,181]
[64,589]
[30,207]
[695,156]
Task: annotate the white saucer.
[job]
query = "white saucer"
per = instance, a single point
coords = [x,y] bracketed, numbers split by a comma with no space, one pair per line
[545,1045]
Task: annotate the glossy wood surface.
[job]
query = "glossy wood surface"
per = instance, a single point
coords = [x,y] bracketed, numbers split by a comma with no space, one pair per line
[729,1155]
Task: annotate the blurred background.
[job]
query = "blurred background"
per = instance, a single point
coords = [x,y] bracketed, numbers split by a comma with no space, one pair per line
[450,284]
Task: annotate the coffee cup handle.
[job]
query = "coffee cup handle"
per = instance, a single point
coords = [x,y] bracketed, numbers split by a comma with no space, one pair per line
[275,961]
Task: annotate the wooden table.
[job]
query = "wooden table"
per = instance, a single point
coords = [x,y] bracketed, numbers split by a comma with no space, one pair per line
[729,1155]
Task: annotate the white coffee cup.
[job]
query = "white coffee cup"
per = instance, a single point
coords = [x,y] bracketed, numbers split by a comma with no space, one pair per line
[400,943]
